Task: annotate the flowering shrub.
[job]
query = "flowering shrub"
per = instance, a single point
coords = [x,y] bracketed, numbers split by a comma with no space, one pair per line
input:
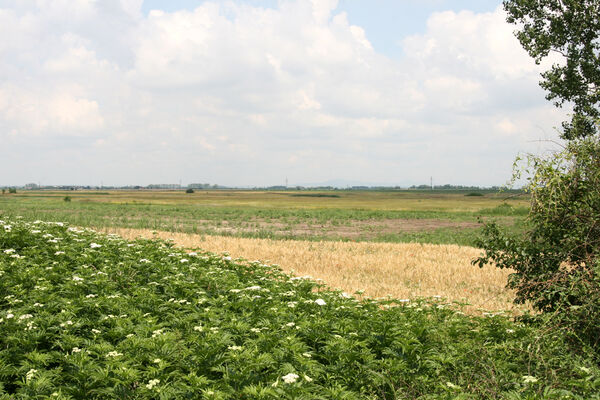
[90,316]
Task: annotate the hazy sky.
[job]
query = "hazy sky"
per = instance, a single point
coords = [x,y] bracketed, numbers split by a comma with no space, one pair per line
[249,92]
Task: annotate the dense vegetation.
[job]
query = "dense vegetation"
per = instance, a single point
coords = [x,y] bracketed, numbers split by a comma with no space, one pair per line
[86,316]
[557,261]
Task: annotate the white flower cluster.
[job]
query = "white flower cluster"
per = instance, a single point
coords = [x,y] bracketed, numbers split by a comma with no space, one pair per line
[152,383]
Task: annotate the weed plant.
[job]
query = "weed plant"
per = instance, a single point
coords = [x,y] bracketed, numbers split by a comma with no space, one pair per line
[90,316]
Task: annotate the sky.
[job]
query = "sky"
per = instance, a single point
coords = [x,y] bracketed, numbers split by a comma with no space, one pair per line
[254,92]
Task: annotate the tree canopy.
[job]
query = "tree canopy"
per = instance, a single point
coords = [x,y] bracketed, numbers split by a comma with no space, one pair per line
[571,29]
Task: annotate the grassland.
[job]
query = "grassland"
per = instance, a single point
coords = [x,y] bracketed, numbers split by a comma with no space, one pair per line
[89,316]
[388,216]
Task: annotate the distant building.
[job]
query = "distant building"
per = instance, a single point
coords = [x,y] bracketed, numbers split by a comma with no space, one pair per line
[32,186]
[165,186]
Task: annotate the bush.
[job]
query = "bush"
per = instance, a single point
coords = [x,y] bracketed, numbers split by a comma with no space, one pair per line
[557,262]
[190,190]
[12,190]
[67,199]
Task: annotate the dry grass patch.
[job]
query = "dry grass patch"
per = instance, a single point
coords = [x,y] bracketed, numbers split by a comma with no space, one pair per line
[400,270]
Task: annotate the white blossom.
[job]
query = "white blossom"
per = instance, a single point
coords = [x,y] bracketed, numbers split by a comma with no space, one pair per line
[152,383]
[29,375]
[320,302]
[290,378]
[452,385]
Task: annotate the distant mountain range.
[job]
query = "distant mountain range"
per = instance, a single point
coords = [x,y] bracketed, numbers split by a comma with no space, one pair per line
[344,183]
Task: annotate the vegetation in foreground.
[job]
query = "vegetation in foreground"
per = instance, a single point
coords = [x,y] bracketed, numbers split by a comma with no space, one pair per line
[84,315]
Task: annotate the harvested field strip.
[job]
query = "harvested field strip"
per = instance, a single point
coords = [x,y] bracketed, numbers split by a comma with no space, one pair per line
[400,270]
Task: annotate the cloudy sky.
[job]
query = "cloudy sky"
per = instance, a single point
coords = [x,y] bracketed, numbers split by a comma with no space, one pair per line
[250,92]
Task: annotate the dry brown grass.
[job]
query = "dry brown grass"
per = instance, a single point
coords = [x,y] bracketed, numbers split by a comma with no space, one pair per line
[400,270]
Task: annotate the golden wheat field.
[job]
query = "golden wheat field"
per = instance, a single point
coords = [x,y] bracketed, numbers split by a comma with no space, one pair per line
[399,270]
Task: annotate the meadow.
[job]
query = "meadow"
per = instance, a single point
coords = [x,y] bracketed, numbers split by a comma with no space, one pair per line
[440,217]
[85,315]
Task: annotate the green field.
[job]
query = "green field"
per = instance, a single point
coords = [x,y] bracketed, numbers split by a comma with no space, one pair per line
[381,216]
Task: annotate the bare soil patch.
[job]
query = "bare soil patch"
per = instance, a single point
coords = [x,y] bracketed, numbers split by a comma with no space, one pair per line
[351,229]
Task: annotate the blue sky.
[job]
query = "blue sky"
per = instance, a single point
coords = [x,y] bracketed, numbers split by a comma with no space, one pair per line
[386,22]
[249,93]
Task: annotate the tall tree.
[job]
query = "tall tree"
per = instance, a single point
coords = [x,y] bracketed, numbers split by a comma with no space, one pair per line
[556,262]
[571,29]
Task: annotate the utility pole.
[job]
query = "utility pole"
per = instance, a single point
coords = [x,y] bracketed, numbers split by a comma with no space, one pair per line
[431,182]
[286,182]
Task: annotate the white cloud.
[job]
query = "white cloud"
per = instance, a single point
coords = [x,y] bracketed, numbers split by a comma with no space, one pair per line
[38,113]
[234,94]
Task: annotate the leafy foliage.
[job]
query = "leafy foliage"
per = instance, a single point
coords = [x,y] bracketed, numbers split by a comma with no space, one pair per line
[89,316]
[571,29]
[557,263]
